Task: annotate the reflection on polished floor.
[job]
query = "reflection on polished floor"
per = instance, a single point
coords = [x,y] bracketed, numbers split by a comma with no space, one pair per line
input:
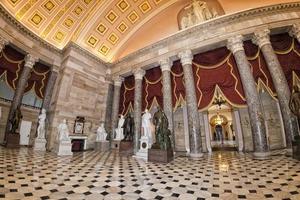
[26,174]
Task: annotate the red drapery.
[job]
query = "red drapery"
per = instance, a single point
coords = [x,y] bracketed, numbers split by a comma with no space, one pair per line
[217,68]
[127,95]
[11,65]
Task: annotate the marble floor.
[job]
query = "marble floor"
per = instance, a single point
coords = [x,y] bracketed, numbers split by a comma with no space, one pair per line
[25,174]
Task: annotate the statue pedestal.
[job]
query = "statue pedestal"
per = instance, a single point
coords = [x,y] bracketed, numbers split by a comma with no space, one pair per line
[102,146]
[161,156]
[40,144]
[64,148]
[144,147]
[12,140]
[126,148]
[115,144]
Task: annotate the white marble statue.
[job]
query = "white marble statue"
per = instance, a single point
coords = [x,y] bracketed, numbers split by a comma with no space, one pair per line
[101,133]
[41,128]
[146,125]
[119,130]
[63,131]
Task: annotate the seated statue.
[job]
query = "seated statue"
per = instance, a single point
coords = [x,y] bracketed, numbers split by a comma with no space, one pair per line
[101,133]
[15,120]
[162,133]
[128,128]
[119,130]
[41,128]
[63,131]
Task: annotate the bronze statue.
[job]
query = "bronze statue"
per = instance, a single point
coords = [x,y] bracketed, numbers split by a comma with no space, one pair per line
[162,133]
[15,120]
[128,128]
[294,103]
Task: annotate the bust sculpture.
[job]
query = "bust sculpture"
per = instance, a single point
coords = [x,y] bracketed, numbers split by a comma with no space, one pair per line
[41,128]
[101,133]
[119,130]
[63,131]
[146,125]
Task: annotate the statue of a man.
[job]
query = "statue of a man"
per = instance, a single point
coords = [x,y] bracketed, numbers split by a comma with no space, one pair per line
[101,133]
[41,128]
[15,120]
[63,131]
[119,130]
[146,125]
[294,103]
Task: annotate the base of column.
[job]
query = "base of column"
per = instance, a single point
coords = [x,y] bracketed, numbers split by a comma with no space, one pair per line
[261,155]
[196,155]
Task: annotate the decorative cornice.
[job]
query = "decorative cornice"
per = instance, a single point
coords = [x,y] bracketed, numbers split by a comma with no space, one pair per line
[186,57]
[211,24]
[30,60]
[139,74]
[3,43]
[235,44]
[261,37]
[165,64]
[295,31]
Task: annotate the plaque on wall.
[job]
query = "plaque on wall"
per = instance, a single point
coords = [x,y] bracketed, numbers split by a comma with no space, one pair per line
[79,125]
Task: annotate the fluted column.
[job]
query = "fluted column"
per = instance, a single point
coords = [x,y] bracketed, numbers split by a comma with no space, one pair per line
[257,121]
[138,76]
[262,39]
[115,107]
[49,90]
[186,58]
[165,66]
[295,31]
[21,85]
[3,43]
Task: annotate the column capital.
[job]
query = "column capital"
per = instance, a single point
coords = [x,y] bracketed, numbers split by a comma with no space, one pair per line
[139,74]
[118,80]
[3,43]
[235,43]
[30,60]
[261,37]
[186,57]
[295,31]
[165,64]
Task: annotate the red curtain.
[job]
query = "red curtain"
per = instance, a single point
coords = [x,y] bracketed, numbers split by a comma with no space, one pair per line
[12,63]
[127,95]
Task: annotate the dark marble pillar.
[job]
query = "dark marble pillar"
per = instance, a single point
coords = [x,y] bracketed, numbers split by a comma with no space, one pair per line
[109,105]
[186,58]
[262,39]
[21,85]
[115,107]
[257,121]
[138,76]
[49,90]
[165,66]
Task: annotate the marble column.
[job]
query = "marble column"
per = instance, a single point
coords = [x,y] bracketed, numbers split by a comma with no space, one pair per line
[115,107]
[165,66]
[295,31]
[138,76]
[49,90]
[262,39]
[257,121]
[109,105]
[3,43]
[21,85]
[186,58]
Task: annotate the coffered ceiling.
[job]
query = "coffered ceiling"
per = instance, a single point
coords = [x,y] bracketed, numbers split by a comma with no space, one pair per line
[99,26]
[110,29]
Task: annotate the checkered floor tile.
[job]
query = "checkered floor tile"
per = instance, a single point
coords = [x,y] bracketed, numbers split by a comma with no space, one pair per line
[25,174]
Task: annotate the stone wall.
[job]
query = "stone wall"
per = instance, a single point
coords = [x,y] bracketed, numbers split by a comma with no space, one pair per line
[179,130]
[81,91]
[29,114]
